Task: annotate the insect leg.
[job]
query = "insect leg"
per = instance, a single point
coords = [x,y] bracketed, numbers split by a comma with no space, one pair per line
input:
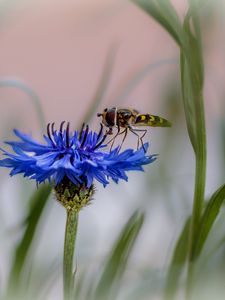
[113,139]
[109,132]
[119,133]
[125,135]
[140,138]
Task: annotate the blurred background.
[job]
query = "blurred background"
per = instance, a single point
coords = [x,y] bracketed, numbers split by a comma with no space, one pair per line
[68,60]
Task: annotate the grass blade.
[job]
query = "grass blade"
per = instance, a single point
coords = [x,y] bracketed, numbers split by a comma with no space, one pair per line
[163,12]
[209,216]
[38,201]
[110,279]
[187,95]
[191,54]
[178,262]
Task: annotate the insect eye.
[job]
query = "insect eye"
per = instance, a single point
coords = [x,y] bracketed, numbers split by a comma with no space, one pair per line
[110,117]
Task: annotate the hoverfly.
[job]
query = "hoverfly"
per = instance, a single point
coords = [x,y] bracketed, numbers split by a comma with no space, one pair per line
[125,120]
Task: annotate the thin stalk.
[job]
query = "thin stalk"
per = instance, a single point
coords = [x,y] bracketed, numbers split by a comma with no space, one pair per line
[199,194]
[69,247]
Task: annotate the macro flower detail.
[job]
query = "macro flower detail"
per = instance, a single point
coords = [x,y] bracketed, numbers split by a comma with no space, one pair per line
[79,157]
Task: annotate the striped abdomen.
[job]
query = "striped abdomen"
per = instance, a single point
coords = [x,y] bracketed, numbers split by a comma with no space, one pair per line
[151,120]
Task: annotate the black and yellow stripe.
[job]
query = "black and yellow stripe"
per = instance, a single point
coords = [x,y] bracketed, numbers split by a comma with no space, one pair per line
[151,120]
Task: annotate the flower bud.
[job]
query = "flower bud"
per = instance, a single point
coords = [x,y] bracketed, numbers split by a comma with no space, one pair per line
[73,197]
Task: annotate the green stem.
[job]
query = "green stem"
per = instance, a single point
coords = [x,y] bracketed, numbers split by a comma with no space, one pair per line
[199,194]
[69,246]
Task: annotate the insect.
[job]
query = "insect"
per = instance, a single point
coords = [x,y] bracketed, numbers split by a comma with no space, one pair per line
[125,119]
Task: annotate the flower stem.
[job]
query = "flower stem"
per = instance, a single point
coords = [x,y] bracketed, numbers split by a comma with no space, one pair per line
[69,246]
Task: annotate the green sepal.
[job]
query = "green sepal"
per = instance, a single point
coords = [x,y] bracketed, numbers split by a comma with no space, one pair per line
[73,197]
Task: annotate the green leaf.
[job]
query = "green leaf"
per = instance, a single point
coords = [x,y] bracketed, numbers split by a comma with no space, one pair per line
[178,261]
[163,12]
[221,128]
[115,266]
[209,216]
[193,48]
[192,89]
[192,73]
[38,203]
[187,94]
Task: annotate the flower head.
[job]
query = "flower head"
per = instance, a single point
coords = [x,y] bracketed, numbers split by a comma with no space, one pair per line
[79,157]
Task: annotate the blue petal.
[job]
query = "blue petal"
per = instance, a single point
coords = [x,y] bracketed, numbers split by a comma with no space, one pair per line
[53,161]
[73,177]
[59,175]
[47,159]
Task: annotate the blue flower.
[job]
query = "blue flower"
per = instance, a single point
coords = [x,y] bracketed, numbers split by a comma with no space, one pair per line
[80,157]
